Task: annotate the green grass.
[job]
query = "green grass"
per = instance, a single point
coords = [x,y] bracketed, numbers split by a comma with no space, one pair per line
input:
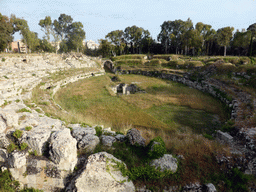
[23,110]
[91,100]
[180,117]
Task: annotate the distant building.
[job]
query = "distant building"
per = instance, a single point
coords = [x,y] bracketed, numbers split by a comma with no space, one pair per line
[18,46]
[91,44]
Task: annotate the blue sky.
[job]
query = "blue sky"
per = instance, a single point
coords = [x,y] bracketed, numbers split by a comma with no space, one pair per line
[100,17]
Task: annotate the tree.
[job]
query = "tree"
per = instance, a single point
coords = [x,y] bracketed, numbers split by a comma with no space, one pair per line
[75,36]
[241,42]
[207,34]
[187,34]
[172,33]
[117,38]
[6,31]
[252,28]
[133,35]
[146,42]
[46,25]
[61,26]
[224,35]
[45,46]
[29,38]
[105,48]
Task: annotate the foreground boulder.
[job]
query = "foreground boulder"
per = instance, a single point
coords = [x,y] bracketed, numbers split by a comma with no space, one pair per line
[88,142]
[107,140]
[63,149]
[17,159]
[36,140]
[100,174]
[135,137]
[167,162]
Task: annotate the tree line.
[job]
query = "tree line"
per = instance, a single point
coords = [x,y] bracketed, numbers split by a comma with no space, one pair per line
[175,37]
[181,37]
[68,35]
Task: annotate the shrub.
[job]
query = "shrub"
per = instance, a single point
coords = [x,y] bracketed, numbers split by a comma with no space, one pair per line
[17,134]
[11,147]
[3,59]
[236,180]
[6,182]
[208,136]
[28,128]
[228,126]
[98,131]
[23,146]
[156,151]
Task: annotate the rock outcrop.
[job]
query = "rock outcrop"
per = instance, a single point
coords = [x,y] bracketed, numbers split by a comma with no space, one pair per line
[63,149]
[167,162]
[100,174]
[135,137]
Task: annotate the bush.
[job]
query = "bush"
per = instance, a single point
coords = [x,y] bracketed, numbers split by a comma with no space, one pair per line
[11,147]
[17,134]
[98,130]
[235,180]
[6,182]
[228,126]
[3,59]
[156,151]
[28,128]
[208,136]
[23,146]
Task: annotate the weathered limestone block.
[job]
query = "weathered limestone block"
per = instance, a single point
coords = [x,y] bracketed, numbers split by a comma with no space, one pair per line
[63,149]
[107,140]
[10,117]
[120,137]
[167,162]
[36,140]
[209,187]
[2,125]
[80,132]
[134,137]
[17,159]
[99,175]
[88,142]
[224,137]
[3,156]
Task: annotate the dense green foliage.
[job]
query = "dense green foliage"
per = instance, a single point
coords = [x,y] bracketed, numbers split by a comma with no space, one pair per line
[156,148]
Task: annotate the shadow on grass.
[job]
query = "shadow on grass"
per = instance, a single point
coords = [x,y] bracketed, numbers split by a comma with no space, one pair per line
[182,117]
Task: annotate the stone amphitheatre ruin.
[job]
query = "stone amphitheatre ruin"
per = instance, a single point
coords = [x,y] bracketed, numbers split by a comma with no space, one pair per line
[19,75]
